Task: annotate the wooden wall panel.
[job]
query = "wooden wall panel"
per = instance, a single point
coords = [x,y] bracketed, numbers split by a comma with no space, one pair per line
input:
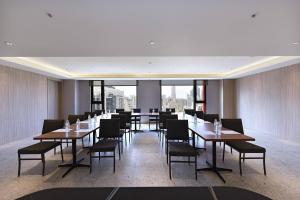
[23,103]
[269,102]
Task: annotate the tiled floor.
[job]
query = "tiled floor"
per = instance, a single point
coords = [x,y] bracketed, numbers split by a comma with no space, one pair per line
[143,163]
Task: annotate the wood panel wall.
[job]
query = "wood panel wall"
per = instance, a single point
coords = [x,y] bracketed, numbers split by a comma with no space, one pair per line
[23,104]
[268,102]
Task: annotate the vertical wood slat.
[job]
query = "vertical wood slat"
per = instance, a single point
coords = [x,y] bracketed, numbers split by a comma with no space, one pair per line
[268,102]
[23,103]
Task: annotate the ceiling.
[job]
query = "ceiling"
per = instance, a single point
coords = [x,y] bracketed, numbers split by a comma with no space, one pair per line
[209,67]
[105,28]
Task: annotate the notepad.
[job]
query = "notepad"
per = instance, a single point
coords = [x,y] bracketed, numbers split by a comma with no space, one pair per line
[229,132]
[83,130]
[84,122]
[62,130]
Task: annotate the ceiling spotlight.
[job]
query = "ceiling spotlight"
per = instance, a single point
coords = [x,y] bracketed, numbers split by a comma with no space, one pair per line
[152,43]
[295,43]
[7,43]
[149,62]
[49,15]
[254,15]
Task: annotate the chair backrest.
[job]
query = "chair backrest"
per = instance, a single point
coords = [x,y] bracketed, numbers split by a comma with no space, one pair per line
[73,118]
[164,118]
[200,114]
[122,118]
[211,117]
[136,110]
[118,110]
[98,112]
[233,124]
[52,125]
[170,110]
[109,128]
[177,129]
[128,116]
[92,114]
[189,111]
[151,110]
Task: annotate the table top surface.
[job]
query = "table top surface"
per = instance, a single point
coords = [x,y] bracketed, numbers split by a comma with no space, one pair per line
[205,130]
[85,129]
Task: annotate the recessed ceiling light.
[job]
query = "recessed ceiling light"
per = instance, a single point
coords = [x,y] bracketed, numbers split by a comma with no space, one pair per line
[295,43]
[254,15]
[7,43]
[152,43]
[149,62]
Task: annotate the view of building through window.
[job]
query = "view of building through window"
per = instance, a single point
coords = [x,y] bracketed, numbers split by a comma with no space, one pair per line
[178,97]
[120,97]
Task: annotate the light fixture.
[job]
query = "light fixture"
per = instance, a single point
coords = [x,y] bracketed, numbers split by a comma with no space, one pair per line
[49,14]
[152,43]
[7,43]
[295,43]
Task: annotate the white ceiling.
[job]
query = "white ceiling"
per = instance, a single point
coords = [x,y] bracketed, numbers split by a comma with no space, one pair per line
[121,28]
[209,67]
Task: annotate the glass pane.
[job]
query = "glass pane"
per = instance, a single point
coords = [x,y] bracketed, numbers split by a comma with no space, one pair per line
[200,91]
[120,97]
[96,107]
[178,97]
[200,107]
[97,93]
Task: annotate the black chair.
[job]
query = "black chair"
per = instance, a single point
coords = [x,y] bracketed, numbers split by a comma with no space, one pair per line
[178,130]
[163,125]
[211,117]
[161,122]
[172,110]
[43,146]
[73,119]
[189,112]
[99,112]
[241,146]
[136,119]
[128,119]
[109,134]
[123,126]
[118,110]
[91,114]
[151,118]
[200,114]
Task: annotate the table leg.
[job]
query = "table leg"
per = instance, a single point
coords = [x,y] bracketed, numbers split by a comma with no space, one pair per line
[213,167]
[94,136]
[75,163]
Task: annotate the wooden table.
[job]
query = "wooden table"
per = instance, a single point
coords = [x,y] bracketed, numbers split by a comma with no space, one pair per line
[72,135]
[205,130]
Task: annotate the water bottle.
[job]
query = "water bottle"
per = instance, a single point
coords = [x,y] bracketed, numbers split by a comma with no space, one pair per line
[78,125]
[89,119]
[216,126]
[219,128]
[183,114]
[67,126]
[195,118]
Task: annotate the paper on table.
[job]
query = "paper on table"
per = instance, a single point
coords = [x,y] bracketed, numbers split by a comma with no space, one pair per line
[206,122]
[83,130]
[229,132]
[84,122]
[61,130]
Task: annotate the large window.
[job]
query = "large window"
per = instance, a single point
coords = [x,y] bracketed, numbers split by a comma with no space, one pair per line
[182,94]
[177,94]
[96,95]
[120,97]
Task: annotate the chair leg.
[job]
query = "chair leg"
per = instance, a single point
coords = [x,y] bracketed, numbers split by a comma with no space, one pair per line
[89,137]
[19,164]
[114,161]
[240,163]
[99,154]
[244,155]
[223,151]
[119,148]
[170,167]
[61,153]
[264,162]
[43,161]
[196,167]
[90,162]
[231,150]
[54,148]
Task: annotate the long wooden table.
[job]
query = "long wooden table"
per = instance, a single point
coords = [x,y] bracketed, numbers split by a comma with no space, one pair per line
[205,130]
[85,130]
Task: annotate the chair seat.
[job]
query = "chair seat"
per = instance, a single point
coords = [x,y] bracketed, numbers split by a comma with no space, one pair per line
[104,145]
[246,147]
[39,148]
[181,149]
